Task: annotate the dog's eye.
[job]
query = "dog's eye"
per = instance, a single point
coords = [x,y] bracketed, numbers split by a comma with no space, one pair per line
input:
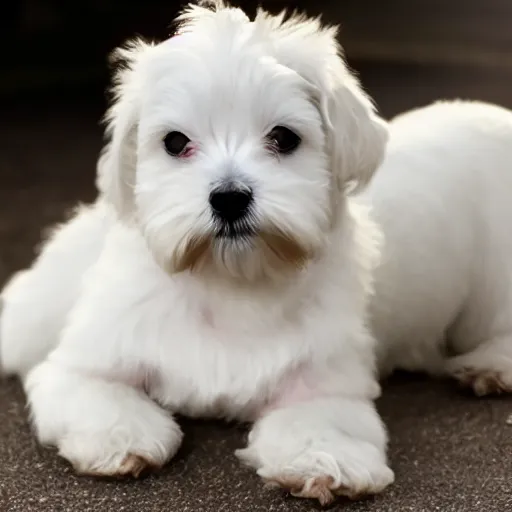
[283,139]
[175,143]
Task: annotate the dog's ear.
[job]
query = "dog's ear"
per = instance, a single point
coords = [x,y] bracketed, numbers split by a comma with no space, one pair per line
[357,136]
[118,161]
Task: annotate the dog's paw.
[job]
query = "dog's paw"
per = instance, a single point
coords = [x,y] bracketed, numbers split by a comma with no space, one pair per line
[321,469]
[323,488]
[484,382]
[487,370]
[126,451]
[131,466]
[102,428]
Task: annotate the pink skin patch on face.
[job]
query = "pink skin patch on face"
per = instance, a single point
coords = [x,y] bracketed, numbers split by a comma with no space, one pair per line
[189,151]
[296,387]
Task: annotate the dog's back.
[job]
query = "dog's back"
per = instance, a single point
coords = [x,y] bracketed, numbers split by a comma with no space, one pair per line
[442,197]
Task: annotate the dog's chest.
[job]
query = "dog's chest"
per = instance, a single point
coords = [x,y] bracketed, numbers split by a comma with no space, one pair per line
[218,379]
[220,359]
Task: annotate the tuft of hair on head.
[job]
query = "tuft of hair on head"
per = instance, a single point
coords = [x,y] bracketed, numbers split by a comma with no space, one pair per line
[216,11]
[213,5]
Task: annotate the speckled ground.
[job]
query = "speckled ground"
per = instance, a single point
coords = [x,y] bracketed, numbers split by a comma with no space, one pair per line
[450,451]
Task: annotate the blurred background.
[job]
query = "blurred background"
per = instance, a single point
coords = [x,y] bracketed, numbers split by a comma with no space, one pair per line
[54,73]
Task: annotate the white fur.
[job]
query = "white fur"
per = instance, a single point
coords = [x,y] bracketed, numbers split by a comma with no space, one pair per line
[107,324]
[443,301]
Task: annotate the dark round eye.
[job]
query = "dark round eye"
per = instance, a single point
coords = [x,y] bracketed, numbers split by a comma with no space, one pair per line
[283,139]
[175,143]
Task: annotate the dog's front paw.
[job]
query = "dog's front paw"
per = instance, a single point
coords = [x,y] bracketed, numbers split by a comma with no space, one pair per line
[102,428]
[122,452]
[322,470]
[311,459]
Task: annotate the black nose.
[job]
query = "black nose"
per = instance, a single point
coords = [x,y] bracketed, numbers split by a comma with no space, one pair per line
[230,205]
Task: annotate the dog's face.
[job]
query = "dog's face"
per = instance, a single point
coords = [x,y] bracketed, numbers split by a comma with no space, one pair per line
[232,143]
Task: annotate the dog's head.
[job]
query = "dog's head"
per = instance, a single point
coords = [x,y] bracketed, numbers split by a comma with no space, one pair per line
[233,142]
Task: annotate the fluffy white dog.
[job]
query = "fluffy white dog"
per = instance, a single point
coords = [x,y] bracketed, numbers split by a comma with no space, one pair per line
[222,272]
[226,272]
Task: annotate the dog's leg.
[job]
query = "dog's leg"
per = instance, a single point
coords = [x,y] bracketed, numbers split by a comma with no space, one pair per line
[102,427]
[487,369]
[320,449]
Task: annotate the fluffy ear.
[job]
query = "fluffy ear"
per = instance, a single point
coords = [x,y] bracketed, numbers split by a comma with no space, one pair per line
[357,136]
[117,163]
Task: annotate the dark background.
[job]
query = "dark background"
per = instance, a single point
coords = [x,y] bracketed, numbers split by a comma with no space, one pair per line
[450,451]
[61,45]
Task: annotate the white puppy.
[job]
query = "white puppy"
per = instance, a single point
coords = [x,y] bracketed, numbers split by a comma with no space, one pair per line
[443,196]
[223,271]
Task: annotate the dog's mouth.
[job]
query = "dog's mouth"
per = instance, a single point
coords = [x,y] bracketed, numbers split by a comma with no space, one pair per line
[239,230]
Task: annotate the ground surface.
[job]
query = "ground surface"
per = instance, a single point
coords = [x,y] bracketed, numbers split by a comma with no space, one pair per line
[451,452]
